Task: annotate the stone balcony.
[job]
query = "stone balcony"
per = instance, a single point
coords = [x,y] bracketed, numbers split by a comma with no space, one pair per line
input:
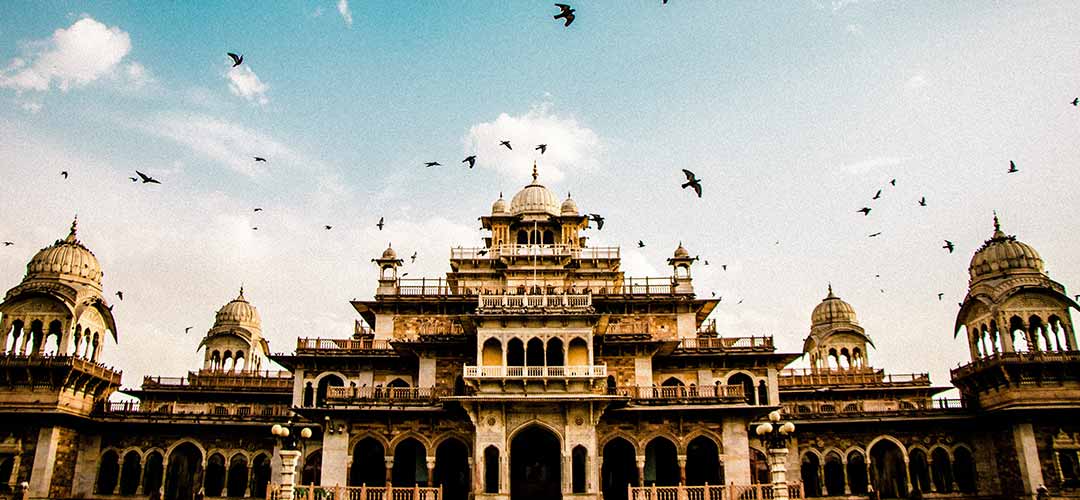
[582,372]
[510,304]
[809,378]
[515,250]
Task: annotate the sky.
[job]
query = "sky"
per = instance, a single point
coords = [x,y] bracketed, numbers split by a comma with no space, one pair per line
[793,113]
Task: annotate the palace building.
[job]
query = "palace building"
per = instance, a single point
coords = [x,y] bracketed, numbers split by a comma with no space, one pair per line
[535,369]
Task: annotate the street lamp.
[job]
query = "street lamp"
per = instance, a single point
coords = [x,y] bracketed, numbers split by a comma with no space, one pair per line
[774,436]
[290,437]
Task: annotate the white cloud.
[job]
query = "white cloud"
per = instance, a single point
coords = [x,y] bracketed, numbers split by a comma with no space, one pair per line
[346,14]
[72,57]
[245,83]
[570,145]
[917,82]
[225,142]
[137,75]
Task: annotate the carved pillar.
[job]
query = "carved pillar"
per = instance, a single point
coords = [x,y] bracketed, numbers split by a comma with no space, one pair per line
[430,462]
[930,472]
[388,462]
[907,474]
[682,468]
[640,461]
[847,483]
[778,471]
[288,473]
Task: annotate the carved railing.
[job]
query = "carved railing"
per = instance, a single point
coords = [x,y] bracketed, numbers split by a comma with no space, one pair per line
[753,343]
[535,372]
[733,393]
[337,346]
[804,377]
[871,407]
[136,409]
[1016,357]
[539,302]
[711,492]
[82,365]
[514,250]
[415,492]
[268,379]
[385,395]
[440,287]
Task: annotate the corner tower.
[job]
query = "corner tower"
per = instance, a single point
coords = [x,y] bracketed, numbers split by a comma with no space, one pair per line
[235,343]
[836,341]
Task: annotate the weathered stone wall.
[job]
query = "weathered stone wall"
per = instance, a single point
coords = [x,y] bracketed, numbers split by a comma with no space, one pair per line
[67,453]
[621,367]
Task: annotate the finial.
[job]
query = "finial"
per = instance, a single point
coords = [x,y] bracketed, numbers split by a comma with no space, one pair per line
[500,195]
[74,228]
[241,296]
[830,291]
[997,224]
[535,175]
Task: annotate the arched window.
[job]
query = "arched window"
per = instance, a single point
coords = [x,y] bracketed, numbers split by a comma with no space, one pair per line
[153,473]
[238,365]
[130,473]
[661,464]
[410,465]
[747,383]
[964,470]
[522,237]
[534,352]
[759,467]
[549,237]
[919,470]
[368,464]
[578,457]
[618,469]
[1019,335]
[491,353]
[227,361]
[238,476]
[611,387]
[214,482]
[397,382]
[554,352]
[491,469]
[260,475]
[834,475]
[324,385]
[762,393]
[856,473]
[577,353]
[107,472]
[515,352]
[889,474]
[311,473]
[703,462]
[809,471]
[941,470]
[52,338]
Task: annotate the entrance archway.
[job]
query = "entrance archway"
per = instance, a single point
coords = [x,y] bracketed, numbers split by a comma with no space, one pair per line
[619,469]
[410,464]
[887,471]
[184,476]
[661,463]
[452,469]
[535,465]
[368,464]
[703,462]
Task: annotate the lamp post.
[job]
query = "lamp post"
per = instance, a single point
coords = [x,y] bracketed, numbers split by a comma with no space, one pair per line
[290,437]
[774,436]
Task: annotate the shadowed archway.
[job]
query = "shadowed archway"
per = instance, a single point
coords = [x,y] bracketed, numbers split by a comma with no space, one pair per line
[535,465]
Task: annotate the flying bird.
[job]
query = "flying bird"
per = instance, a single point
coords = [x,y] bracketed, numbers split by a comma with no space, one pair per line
[257,209]
[236,59]
[380,224]
[120,294]
[640,244]
[875,234]
[1076,102]
[692,181]
[598,220]
[188,329]
[893,182]
[922,201]
[255,228]
[9,243]
[259,158]
[865,210]
[432,164]
[413,258]
[1012,167]
[64,173]
[146,179]
[542,148]
[404,274]
[482,252]
[939,295]
[1078,298]
[740,301]
[948,246]
[877,195]
[567,13]
[507,144]
[714,294]
[471,160]
[328,227]
[133,179]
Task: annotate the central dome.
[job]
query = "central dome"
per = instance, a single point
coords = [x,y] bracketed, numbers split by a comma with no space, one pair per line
[66,259]
[534,199]
[832,310]
[238,312]
[1002,254]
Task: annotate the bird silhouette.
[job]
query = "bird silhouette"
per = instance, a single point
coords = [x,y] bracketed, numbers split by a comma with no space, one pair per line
[432,164]
[380,224]
[134,179]
[471,160]
[257,209]
[1078,298]
[542,148]
[740,301]
[598,220]
[187,329]
[877,195]
[567,13]
[922,201]
[1012,167]
[507,144]
[1076,102]
[259,158]
[865,210]
[640,244]
[893,182]
[948,246]
[64,173]
[256,228]
[940,295]
[404,274]
[714,294]
[482,252]
[692,181]
[146,179]
[120,294]
[328,227]
[413,258]
[9,243]
[875,234]
[236,59]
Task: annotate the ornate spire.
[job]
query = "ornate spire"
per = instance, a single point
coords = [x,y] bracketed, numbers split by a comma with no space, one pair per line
[830,296]
[241,296]
[535,175]
[74,228]
[998,233]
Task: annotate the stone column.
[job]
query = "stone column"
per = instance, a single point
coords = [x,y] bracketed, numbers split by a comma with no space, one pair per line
[736,448]
[907,474]
[847,482]
[335,456]
[430,462]
[640,460]
[1027,454]
[44,460]
[930,472]
[681,459]
[289,458]
[778,470]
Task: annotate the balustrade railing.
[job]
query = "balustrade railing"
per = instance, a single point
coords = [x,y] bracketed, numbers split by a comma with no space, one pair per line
[682,392]
[267,379]
[415,492]
[138,409]
[320,344]
[385,394]
[794,377]
[1016,357]
[518,302]
[83,365]
[879,407]
[516,250]
[526,372]
[762,343]
[711,492]
[663,285]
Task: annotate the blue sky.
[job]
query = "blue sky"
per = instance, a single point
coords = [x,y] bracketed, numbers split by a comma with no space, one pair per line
[794,114]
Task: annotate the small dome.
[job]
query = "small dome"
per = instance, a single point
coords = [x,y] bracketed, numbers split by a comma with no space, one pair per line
[389,253]
[66,259]
[238,312]
[681,253]
[832,310]
[1002,254]
[534,199]
[569,207]
[499,207]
